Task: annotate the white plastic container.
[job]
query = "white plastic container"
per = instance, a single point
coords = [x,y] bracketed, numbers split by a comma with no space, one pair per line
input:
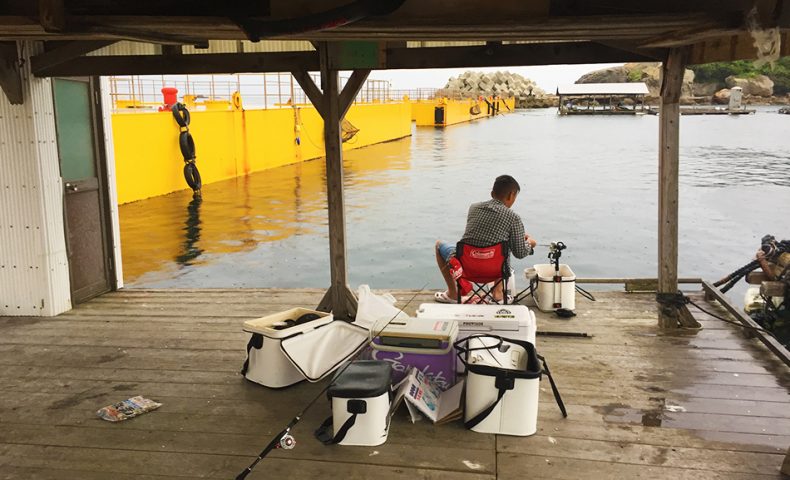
[553,294]
[495,364]
[280,354]
[363,390]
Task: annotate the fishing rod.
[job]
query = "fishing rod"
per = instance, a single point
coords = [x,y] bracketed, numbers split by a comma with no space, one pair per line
[284,439]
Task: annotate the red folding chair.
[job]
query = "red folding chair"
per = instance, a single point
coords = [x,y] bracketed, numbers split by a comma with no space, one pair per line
[481,267]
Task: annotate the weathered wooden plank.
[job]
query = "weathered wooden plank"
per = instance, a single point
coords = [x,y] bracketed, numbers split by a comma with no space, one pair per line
[578,364]
[233,340]
[210,444]
[11,472]
[583,423]
[639,454]
[512,466]
[122,464]
[207,359]
[208,416]
[660,436]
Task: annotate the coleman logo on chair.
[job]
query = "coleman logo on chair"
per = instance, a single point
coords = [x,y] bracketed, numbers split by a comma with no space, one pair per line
[482,254]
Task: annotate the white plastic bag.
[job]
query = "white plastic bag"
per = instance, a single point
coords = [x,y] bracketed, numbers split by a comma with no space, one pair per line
[373,308]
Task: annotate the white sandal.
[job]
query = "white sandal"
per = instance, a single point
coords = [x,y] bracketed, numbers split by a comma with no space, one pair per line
[442,297]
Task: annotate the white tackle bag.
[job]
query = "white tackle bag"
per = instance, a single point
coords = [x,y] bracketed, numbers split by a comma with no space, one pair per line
[503,384]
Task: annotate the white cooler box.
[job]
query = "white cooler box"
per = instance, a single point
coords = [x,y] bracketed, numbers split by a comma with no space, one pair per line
[511,321]
[554,294]
[283,350]
[502,385]
[360,405]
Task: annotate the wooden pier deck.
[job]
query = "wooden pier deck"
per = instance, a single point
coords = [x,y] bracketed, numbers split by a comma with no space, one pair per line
[642,403]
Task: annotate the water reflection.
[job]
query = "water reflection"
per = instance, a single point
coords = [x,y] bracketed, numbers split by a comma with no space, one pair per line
[191,233]
[246,215]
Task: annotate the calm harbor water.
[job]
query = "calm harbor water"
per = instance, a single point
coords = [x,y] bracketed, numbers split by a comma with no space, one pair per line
[590,182]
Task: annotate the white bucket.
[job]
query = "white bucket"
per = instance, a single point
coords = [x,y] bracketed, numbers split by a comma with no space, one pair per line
[503,377]
[363,391]
[553,294]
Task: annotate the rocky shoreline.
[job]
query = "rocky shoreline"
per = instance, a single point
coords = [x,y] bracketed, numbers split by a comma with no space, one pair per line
[757,90]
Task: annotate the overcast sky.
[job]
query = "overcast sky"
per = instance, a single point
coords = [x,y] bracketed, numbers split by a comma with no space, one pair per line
[547,78]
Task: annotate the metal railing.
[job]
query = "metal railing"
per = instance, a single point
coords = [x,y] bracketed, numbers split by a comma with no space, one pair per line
[432,94]
[263,90]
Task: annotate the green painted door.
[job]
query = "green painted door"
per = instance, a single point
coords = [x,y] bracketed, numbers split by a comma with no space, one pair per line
[80,167]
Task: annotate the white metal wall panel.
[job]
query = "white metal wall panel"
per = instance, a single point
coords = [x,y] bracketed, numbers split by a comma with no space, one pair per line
[277,46]
[112,187]
[34,275]
[214,46]
[128,48]
[413,44]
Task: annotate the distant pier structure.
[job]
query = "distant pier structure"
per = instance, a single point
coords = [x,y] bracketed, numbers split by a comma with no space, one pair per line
[602,99]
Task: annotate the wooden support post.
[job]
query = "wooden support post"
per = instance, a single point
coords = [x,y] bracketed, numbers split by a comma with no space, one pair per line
[786,464]
[10,77]
[334,189]
[332,104]
[668,176]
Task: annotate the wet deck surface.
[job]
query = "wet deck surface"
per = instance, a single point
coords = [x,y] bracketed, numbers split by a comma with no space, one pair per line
[642,404]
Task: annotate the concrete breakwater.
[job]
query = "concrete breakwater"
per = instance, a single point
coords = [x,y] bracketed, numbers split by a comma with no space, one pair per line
[472,84]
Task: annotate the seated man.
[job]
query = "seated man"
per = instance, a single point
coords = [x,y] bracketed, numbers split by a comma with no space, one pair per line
[488,223]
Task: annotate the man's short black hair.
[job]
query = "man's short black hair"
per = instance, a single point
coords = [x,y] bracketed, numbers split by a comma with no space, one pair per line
[504,184]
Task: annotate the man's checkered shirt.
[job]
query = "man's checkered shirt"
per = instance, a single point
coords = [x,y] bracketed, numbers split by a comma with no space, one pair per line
[492,222]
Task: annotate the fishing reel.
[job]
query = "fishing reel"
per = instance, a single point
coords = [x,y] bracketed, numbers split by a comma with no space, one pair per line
[287,442]
[555,251]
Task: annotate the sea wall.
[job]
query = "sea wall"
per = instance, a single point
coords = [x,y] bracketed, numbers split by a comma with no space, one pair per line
[232,143]
[456,111]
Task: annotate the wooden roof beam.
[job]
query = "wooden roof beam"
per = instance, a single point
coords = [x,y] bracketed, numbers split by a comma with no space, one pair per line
[485,27]
[183,64]
[394,58]
[511,55]
[732,47]
[64,52]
